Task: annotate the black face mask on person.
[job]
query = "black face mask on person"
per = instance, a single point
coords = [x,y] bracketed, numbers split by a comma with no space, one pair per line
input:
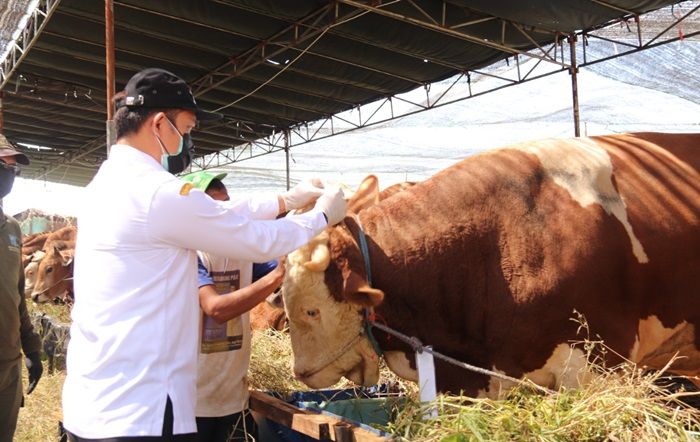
[177,162]
[7,178]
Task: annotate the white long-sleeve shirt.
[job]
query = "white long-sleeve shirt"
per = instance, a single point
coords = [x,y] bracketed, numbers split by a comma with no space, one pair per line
[135,319]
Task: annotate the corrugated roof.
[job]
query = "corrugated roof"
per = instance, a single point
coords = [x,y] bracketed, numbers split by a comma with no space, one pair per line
[267,65]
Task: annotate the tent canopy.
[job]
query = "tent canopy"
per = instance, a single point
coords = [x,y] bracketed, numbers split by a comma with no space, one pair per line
[266,65]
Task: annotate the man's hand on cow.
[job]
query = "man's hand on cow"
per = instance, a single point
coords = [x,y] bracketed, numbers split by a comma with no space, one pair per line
[35,369]
[302,194]
[333,205]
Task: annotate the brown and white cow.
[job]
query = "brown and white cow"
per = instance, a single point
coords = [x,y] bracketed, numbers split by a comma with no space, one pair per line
[31,267]
[54,275]
[270,314]
[487,260]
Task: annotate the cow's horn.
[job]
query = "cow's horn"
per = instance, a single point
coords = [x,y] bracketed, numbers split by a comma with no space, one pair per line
[320,258]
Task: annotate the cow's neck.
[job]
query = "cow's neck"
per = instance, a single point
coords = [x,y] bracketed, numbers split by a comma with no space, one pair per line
[422,295]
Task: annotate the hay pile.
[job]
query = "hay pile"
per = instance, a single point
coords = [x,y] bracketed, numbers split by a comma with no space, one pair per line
[620,404]
[270,363]
[271,368]
[38,419]
[58,312]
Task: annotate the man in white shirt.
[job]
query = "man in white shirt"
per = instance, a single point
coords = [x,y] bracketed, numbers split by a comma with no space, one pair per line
[132,358]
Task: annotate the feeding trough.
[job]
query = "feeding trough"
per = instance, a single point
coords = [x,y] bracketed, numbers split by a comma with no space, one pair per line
[340,415]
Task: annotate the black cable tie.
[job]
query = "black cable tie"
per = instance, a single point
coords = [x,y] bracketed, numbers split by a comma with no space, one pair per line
[416,344]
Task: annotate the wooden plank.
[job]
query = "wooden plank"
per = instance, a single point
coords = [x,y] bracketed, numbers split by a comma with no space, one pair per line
[318,426]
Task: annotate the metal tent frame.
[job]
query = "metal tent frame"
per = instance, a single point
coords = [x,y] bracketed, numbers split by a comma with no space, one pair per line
[274,113]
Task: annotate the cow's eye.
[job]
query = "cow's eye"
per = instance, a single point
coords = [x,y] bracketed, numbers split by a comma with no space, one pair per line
[312,313]
[49,269]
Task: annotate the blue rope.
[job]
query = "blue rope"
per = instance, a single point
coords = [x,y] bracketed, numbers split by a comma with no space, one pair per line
[364,249]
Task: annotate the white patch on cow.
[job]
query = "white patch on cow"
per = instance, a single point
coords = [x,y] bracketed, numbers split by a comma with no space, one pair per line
[655,345]
[567,367]
[585,170]
[651,333]
[30,277]
[399,364]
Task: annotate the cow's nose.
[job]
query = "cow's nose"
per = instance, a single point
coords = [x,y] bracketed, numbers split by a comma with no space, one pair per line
[35,298]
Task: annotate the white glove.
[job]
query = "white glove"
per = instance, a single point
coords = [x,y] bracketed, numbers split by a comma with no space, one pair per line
[302,194]
[333,204]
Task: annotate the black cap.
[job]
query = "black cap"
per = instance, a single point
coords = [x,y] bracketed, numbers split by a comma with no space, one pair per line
[158,88]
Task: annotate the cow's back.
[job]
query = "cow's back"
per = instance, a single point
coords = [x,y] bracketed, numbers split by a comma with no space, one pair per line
[499,249]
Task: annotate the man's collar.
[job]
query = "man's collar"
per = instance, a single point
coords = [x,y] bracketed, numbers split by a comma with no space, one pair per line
[125,151]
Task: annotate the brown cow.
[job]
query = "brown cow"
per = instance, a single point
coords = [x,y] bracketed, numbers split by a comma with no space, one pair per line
[487,260]
[269,314]
[34,242]
[54,275]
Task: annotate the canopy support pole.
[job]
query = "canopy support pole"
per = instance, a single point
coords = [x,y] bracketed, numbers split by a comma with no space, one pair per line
[109,74]
[286,155]
[573,71]
[2,112]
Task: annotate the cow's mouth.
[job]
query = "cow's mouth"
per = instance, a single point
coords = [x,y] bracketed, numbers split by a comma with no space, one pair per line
[318,380]
[357,375]
[366,372]
[40,298]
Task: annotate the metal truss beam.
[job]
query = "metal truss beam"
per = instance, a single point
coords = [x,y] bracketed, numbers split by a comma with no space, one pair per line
[252,149]
[385,109]
[73,156]
[613,7]
[29,35]
[252,8]
[428,22]
[320,21]
[640,43]
[97,60]
[305,30]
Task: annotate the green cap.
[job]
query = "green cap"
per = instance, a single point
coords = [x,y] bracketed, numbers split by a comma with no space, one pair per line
[201,179]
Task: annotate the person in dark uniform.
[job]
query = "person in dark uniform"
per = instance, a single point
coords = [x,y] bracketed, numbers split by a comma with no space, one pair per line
[16,331]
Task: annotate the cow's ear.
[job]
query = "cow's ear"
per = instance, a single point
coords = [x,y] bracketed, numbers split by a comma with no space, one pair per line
[367,195]
[357,291]
[66,257]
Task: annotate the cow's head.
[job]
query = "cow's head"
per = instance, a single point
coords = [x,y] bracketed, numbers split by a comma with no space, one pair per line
[325,293]
[53,274]
[30,270]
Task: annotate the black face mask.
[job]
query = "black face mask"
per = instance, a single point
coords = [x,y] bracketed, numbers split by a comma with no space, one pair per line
[7,179]
[180,161]
[176,163]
